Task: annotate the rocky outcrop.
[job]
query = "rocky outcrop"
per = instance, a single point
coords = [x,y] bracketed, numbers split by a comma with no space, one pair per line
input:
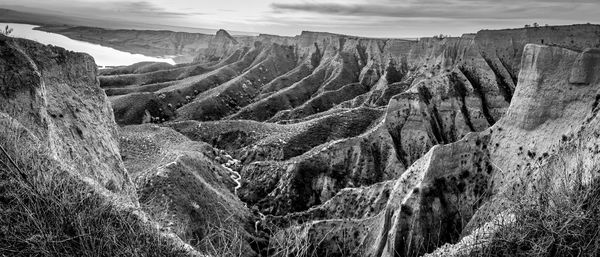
[220,46]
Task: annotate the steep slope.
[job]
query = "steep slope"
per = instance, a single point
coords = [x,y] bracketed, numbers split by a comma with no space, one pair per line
[218,47]
[503,48]
[334,151]
[251,141]
[164,98]
[460,186]
[57,127]
[54,96]
[324,122]
[181,185]
[218,102]
[81,165]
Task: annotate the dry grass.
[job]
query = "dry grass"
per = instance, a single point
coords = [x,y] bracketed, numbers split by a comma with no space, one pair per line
[561,217]
[223,241]
[290,242]
[219,240]
[295,240]
[44,211]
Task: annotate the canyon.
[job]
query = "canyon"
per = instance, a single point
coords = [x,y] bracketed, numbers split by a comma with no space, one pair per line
[354,146]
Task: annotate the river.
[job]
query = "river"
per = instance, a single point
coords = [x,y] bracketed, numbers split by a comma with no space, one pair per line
[104,56]
[237,177]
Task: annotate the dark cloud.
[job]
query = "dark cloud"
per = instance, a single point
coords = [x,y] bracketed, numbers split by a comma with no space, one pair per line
[451,9]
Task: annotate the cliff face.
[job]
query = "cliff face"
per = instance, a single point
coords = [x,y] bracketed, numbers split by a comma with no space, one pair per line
[463,185]
[219,46]
[53,94]
[416,130]
[503,48]
[434,90]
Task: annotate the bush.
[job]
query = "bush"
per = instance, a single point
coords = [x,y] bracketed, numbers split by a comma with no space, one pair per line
[560,219]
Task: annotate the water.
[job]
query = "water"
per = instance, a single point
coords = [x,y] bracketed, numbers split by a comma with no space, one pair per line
[104,56]
[237,177]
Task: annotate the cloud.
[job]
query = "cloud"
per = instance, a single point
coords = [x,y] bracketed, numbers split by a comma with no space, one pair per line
[146,9]
[449,9]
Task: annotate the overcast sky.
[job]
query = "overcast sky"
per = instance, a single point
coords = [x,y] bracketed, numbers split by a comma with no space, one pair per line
[376,18]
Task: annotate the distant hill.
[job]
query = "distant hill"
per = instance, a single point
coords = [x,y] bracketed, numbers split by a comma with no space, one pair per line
[36,16]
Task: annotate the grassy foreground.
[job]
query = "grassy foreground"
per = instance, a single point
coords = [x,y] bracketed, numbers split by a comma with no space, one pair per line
[44,211]
[561,218]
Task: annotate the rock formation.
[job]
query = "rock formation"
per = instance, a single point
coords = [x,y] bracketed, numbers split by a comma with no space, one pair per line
[338,118]
[463,185]
[50,103]
[50,100]
[357,146]
[53,94]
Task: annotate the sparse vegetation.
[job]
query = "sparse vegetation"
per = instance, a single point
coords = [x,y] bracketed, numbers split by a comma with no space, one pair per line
[290,242]
[441,36]
[45,211]
[223,241]
[559,219]
[297,240]
[535,25]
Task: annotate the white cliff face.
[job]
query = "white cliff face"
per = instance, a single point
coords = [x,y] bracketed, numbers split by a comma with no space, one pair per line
[550,129]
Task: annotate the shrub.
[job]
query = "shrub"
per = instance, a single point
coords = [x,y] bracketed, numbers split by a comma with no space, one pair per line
[562,217]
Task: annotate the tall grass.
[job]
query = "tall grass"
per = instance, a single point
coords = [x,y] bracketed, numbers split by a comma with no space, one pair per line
[223,241]
[45,211]
[561,217]
[297,240]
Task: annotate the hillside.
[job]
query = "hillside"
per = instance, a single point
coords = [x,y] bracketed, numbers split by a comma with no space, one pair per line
[74,183]
[319,144]
[333,127]
[183,46]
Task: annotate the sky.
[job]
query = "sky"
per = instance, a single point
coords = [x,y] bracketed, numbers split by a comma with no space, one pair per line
[371,18]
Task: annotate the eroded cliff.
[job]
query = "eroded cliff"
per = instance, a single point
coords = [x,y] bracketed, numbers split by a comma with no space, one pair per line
[380,147]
